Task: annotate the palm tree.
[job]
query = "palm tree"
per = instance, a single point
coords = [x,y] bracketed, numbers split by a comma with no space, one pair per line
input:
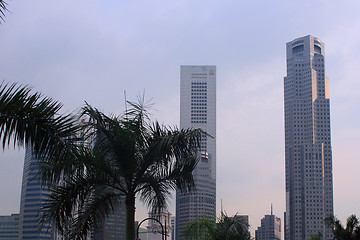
[227,228]
[3,9]
[351,232]
[30,119]
[124,157]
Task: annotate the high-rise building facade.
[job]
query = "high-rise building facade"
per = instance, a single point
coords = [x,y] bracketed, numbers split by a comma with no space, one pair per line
[270,228]
[308,158]
[33,195]
[198,110]
[112,227]
[9,227]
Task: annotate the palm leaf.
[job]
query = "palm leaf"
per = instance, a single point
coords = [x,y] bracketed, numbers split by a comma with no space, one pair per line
[122,157]
[3,9]
[205,229]
[30,119]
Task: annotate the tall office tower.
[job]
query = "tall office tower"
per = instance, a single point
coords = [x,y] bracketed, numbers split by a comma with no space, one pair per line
[270,228]
[112,227]
[9,227]
[198,110]
[308,160]
[33,195]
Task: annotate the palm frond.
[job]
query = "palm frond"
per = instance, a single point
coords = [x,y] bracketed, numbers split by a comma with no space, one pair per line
[205,229]
[352,230]
[80,202]
[351,223]
[125,155]
[168,162]
[232,228]
[29,118]
[3,10]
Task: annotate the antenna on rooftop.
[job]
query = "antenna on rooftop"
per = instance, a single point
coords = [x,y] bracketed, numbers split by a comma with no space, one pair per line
[271,209]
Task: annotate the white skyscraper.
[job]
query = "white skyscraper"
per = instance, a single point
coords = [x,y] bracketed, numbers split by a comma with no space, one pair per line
[309,184]
[198,110]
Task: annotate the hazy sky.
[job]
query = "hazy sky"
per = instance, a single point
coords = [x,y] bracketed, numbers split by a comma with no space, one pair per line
[76,51]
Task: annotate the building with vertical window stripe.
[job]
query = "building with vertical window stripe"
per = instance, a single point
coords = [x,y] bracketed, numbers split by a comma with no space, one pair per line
[112,227]
[198,110]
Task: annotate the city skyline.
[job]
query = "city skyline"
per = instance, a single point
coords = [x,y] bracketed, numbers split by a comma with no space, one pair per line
[139,46]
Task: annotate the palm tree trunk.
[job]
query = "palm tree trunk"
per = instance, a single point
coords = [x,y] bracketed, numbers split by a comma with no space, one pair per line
[130,217]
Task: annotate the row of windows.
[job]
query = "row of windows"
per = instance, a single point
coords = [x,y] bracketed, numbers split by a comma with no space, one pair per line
[198,93]
[32,205]
[199,89]
[198,74]
[34,184]
[198,118]
[198,97]
[198,121]
[198,104]
[33,189]
[198,83]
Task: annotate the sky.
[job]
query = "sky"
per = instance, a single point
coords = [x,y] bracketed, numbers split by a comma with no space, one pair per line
[94,51]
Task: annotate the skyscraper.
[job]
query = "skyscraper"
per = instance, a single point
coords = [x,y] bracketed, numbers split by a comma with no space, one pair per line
[112,227]
[198,110]
[270,228]
[33,195]
[308,159]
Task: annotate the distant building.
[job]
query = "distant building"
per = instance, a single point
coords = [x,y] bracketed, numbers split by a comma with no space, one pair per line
[198,110]
[270,228]
[111,227]
[9,227]
[155,231]
[33,195]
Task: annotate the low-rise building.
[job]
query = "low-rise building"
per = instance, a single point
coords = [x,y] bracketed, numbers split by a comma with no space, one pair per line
[9,227]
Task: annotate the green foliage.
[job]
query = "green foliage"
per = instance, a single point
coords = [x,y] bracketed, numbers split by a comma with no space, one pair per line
[3,9]
[351,232]
[92,165]
[317,236]
[122,157]
[227,228]
[201,230]
[30,118]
